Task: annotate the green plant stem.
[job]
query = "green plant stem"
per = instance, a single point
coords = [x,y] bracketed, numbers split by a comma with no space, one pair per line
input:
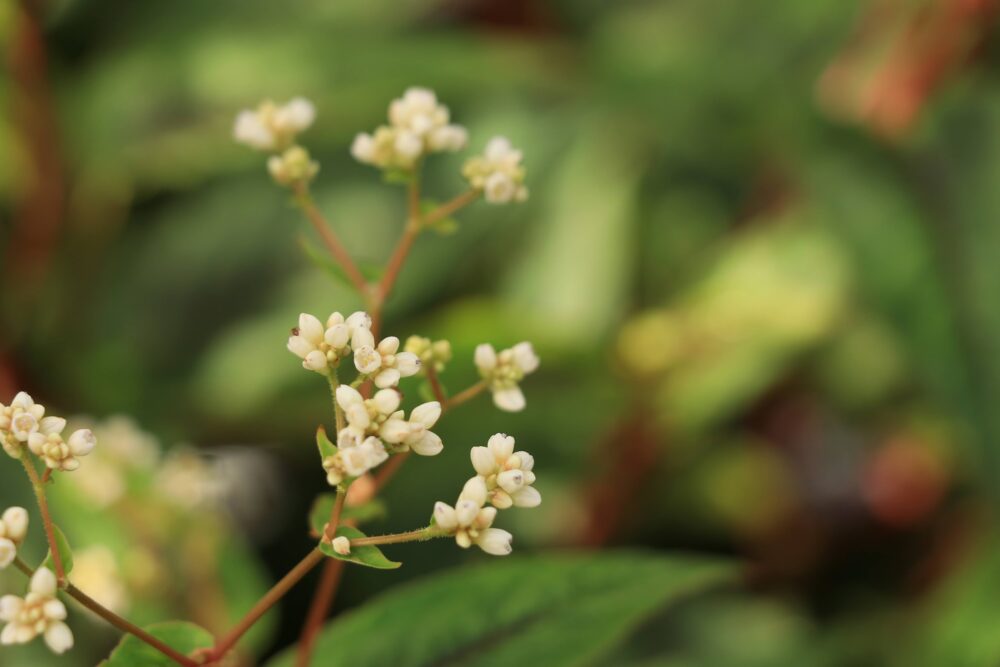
[43,508]
[116,620]
[419,535]
[338,414]
[463,396]
[330,239]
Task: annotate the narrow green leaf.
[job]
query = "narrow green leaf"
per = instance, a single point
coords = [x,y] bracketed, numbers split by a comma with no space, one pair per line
[368,556]
[183,637]
[65,553]
[322,507]
[557,611]
[326,448]
[323,261]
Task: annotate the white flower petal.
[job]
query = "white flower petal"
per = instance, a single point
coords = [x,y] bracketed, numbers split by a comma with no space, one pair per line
[55,610]
[407,363]
[426,414]
[527,496]
[15,519]
[466,512]
[299,346]
[502,446]
[311,328]
[475,491]
[10,606]
[386,378]
[483,461]
[429,444]
[8,552]
[59,638]
[510,399]
[486,357]
[445,517]
[386,401]
[43,582]
[348,396]
[495,541]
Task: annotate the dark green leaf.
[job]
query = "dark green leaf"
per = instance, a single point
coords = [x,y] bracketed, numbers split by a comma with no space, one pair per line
[559,611]
[368,556]
[183,637]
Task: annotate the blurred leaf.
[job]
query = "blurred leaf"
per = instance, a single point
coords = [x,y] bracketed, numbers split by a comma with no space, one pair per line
[322,507]
[184,637]
[557,611]
[444,226]
[322,260]
[65,553]
[369,556]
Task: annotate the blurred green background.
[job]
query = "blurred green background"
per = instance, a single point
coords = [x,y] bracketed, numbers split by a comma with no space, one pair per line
[759,263]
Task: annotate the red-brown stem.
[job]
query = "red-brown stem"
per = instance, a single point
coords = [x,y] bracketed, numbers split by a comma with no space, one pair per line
[305,566]
[331,240]
[116,620]
[463,396]
[329,581]
[389,470]
[43,508]
[399,255]
[47,475]
[432,378]
[451,206]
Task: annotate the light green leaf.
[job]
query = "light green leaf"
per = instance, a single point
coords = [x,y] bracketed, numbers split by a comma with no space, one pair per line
[322,507]
[326,448]
[557,611]
[322,260]
[183,637]
[368,556]
[65,553]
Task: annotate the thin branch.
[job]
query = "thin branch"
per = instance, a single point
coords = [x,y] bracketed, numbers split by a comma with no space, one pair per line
[451,206]
[463,396]
[329,582]
[43,508]
[338,413]
[116,620]
[432,378]
[331,240]
[419,535]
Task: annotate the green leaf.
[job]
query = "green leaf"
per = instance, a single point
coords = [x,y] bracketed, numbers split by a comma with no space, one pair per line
[557,611]
[397,176]
[368,556]
[322,260]
[322,507]
[326,448]
[65,553]
[183,637]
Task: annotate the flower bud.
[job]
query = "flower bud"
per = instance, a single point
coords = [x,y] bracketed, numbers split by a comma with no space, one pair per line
[342,545]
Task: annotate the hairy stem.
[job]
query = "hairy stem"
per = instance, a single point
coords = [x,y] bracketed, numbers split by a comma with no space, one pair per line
[419,535]
[401,252]
[338,414]
[432,378]
[331,240]
[43,508]
[116,620]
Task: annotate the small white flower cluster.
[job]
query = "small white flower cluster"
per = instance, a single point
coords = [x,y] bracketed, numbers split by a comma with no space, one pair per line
[23,422]
[497,173]
[13,529]
[40,612]
[504,479]
[272,127]
[502,372]
[418,125]
[432,354]
[376,426]
[322,347]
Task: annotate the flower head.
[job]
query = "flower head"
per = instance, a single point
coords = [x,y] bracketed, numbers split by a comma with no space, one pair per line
[13,529]
[507,474]
[322,346]
[384,363]
[354,459]
[294,166]
[273,127]
[381,417]
[47,443]
[471,523]
[497,173]
[38,613]
[418,125]
[18,421]
[504,371]
[432,354]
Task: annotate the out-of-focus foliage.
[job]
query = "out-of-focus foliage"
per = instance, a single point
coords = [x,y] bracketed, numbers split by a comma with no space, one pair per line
[758,262]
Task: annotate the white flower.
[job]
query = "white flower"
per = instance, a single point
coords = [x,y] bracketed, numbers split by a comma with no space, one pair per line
[504,371]
[38,613]
[471,523]
[384,363]
[18,421]
[507,474]
[13,529]
[381,417]
[272,127]
[418,125]
[321,347]
[342,545]
[497,173]
[293,166]
[47,443]
[354,459]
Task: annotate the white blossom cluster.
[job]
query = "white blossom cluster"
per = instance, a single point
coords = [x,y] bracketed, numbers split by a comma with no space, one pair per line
[273,128]
[13,529]
[504,371]
[40,612]
[321,347]
[497,173]
[23,422]
[504,479]
[418,125]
